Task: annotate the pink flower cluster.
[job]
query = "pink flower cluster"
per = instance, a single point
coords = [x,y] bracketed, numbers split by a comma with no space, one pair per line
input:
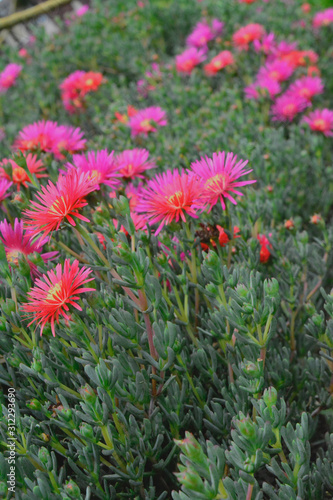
[9,76]
[76,86]
[323,18]
[203,33]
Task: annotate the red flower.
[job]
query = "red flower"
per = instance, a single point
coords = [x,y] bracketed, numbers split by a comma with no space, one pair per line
[264,247]
[54,292]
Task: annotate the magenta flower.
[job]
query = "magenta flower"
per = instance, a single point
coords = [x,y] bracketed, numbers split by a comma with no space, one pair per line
[134,162]
[321,120]
[189,59]
[170,196]
[19,242]
[276,70]
[4,186]
[266,45]
[287,106]
[219,176]
[203,33]
[8,76]
[323,18]
[306,87]
[262,86]
[101,167]
[146,120]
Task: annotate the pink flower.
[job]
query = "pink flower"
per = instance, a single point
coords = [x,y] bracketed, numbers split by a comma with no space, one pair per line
[81,11]
[247,34]
[146,120]
[265,246]
[321,120]
[170,196]
[189,59]
[223,59]
[262,86]
[55,291]
[4,186]
[58,203]
[219,176]
[134,162]
[200,36]
[306,87]
[101,167]
[18,242]
[286,107]
[50,137]
[217,27]
[20,176]
[276,70]
[8,76]
[323,18]
[266,45]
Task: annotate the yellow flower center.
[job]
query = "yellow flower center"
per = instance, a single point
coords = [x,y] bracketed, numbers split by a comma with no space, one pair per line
[305,92]
[274,75]
[89,82]
[319,124]
[95,175]
[146,125]
[12,257]
[216,182]
[289,108]
[176,199]
[54,290]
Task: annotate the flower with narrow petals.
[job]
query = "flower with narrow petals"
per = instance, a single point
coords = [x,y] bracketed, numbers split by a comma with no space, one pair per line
[306,87]
[54,292]
[59,202]
[134,162]
[123,117]
[146,120]
[21,176]
[100,166]
[8,76]
[189,59]
[321,120]
[323,18]
[286,107]
[203,33]
[223,59]
[316,219]
[50,137]
[76,86]
[267,45]
[219,176]
[170,197]
[4,186]
[276,70]
[265,245]
[262,87]
[19,243]
[297,58]
[247,34]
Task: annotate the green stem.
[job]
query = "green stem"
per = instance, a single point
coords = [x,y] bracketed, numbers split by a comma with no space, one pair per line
[189,378]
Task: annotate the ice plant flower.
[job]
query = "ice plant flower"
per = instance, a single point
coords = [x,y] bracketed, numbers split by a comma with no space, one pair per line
[134,162]
[189,59]
[297,58]
[146,120]
[9,75]
[54,292]
[18,242]
[75,87]
[100,166]
[247,34]
[170,196]
[59,202]
[265,245]
[219,176]
[266,45]
[203,33]
[306,87]
[323,18]
[262,87]
[223,59]
[21,176]
[321,120]
[276,70]
[123,117]
[4,186]
[50,137]
[286,107]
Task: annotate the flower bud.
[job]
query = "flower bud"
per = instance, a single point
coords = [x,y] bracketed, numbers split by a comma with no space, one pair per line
[191,448]
[87,431]
[246,427]
[72,489]
[34,404]
[270,397]
[271,288]
[88,394]
[44,456]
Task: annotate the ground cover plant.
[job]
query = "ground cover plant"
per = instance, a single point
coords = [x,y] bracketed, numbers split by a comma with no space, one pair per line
[166,187]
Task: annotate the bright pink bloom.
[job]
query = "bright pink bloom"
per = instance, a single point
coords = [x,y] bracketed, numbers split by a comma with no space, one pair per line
[265,245]
[75,87]
[58,203]
[217,27]
[4,186]
[323,18]
[286,107]
[50,137]
[262,87]
[276,70]
[266,45]
[321,120]
[170,196]
[100,166]
[133,194]
[82,10]
[247,34]
[146,120]
[8,76]
[200,36]
[54,292]
[134,162]
[219,176]
[306,87]
[189,59]
[19,175]
[18,242]
[223,59]
[297,58]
